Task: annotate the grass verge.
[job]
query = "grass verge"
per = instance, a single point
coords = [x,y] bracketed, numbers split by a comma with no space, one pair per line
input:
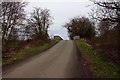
[102,69]
[21,55]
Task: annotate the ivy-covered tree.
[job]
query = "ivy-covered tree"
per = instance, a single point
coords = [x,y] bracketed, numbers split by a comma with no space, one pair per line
[80,26]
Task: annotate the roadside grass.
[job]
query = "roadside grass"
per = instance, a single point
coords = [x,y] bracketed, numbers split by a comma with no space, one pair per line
[102,69]
[23,54]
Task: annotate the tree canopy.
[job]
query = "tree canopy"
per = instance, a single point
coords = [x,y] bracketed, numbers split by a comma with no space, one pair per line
[80,26]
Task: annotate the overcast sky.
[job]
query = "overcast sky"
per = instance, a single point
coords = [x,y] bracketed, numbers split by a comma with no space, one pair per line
[61,11]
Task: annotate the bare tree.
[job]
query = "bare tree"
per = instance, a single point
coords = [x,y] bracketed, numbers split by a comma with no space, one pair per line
[108,15]
[12,15]
[109,11]
[39,22]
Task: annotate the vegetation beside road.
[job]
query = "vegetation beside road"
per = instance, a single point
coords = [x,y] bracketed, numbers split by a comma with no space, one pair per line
[24,36]
[101,68]
[27,52]
[101,29]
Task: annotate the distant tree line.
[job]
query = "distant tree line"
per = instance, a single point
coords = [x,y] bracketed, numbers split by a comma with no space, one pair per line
[17,26]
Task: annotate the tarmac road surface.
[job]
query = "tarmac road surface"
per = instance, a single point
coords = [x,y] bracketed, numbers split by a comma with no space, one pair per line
[61,61]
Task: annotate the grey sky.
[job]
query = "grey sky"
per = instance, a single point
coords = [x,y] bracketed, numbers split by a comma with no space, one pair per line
[61,11]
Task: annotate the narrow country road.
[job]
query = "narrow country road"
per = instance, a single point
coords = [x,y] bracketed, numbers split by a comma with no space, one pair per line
[61,61]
